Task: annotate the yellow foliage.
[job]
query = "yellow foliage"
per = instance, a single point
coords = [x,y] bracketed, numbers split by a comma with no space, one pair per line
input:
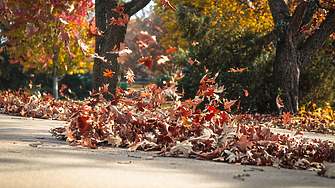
[31,52]
[255,18]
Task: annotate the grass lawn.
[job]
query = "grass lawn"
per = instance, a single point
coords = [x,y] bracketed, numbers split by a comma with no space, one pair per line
[137,86]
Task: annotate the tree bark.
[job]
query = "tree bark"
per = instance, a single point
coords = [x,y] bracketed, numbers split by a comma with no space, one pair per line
[113,35]
[293,51]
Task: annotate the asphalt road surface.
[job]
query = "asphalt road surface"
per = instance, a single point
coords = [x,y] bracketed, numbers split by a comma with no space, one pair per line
[31,157]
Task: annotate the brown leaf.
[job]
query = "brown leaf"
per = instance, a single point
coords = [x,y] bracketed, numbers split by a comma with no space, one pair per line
[279,102]
[30,30]
[146,61]
[209,155]
[121,162]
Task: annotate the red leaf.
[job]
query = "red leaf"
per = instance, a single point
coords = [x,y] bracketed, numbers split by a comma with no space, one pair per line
[119,10]
[120,21]
[171,50]
[62,89]
[83,125]
[90,33]
[203,87]
[146,61]
[246,93]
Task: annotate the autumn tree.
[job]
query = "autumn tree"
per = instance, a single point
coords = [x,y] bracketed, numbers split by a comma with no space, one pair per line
[44,35]
[112,21]
[173,31]
[235,46]
[306,25]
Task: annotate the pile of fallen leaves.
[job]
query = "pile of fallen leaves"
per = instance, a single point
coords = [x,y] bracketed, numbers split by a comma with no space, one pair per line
[139,122]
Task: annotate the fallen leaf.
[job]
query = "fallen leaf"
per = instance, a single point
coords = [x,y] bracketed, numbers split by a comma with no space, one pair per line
[121,162]
[185,147]
[149,158]
[114,141]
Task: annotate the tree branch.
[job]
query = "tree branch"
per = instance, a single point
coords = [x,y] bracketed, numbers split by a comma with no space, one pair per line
[298,16]
[308,18]
[324,7]
[134,6]
[279,10]
[317,40]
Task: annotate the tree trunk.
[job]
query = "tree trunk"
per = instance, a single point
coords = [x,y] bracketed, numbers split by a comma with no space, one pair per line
[55,82]
[295,49]
[286,72]
[113,35]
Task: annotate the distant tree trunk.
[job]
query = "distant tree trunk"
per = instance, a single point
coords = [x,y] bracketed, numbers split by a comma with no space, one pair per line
[55,82]
[113,35]
[294,52]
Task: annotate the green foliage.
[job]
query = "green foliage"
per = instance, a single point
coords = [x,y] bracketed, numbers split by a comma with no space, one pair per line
[317,82]
[124,85]
[11,75]
[79,84]
[220,48]
[161,80]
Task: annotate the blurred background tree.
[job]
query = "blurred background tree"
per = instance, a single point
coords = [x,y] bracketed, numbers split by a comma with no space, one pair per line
[40,35]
